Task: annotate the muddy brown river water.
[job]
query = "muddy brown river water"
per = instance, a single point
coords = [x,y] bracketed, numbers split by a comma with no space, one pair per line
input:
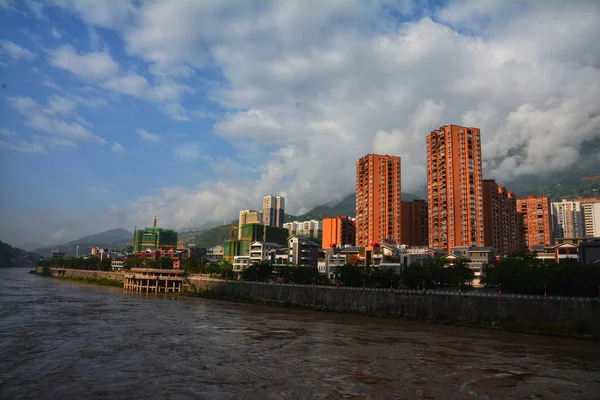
[64,340]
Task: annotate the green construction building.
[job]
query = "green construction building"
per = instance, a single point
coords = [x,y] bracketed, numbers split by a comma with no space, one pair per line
[252,233]
[154,238]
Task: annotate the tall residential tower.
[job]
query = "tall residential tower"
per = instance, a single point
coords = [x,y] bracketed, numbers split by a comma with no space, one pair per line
[273,211]
[378,200]
[454,187]
[537,221]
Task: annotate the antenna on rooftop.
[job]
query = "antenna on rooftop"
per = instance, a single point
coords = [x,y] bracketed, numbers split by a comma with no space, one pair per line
[154,222]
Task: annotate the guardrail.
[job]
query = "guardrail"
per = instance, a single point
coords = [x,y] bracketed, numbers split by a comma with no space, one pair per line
[407,291]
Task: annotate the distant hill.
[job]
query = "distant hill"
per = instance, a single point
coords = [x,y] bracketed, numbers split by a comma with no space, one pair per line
[114,238]
[30,246]
[12,257]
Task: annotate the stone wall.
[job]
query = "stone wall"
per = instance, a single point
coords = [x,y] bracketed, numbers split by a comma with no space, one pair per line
[525,314]
[79,273]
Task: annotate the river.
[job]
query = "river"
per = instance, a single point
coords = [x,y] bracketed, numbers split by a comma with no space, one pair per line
[66,340]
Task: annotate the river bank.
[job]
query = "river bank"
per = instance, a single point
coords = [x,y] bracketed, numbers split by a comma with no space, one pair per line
[565,317]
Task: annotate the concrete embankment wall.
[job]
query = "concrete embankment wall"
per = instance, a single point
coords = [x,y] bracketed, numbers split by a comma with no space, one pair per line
[524,314]
[85,274]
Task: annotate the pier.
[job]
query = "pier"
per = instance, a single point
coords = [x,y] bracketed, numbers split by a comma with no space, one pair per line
[153,280]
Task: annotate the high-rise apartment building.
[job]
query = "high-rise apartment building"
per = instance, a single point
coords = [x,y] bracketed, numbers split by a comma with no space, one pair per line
[502,224]
[591,216]
[567,219]
[537,221]
[339,231]
[312,229]
[378,199]
[415,223]
[454,187]
[248,217]
[273,210]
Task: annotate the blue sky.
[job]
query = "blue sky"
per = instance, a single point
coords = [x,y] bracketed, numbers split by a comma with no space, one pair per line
[114,111]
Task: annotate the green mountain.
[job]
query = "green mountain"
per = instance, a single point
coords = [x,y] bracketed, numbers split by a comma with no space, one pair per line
[12,257]
[114,238]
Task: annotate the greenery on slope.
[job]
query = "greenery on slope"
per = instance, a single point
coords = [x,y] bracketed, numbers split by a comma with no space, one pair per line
[11,257]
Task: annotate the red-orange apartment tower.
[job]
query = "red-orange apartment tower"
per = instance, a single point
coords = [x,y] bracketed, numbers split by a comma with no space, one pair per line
[339,231]
[503,228]
[378,200]
[537,221]
[454,187]
[414,223]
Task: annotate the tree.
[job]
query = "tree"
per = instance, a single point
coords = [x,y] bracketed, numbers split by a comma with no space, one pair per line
[132,262]
[350,275]
[415,274]
[258,271]
[305,275]
[105,264]
[165,263]
[192,266]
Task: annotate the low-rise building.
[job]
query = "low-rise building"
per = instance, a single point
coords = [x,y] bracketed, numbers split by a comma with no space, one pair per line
[263,251]
[240,263]
[304,252]
[328,265]
[557,253]
[589,252]
[215,254]
[476,258]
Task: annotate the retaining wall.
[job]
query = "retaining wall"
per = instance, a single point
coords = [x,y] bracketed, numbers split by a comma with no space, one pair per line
[524,314]
[80,273]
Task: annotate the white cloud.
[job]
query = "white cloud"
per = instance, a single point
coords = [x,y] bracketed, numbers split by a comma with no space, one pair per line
[252,123]
[61,105]
[43,119]
[15,51]
[6,132]
[187,152]
[48,82]
[104,13]
[92,66]
[55,33]
[118,148]
[24,147]
[151,137]
[101,68]
[312,89]
[58,235]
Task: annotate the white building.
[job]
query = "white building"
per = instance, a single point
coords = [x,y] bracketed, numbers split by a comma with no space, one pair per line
[591,218]
[263,251]
[303,251]
[567,219]
[240,263]
[312,228]
[328,265]
[116,261]
[215,254]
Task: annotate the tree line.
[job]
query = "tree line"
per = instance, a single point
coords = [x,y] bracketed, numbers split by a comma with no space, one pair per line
[525,274]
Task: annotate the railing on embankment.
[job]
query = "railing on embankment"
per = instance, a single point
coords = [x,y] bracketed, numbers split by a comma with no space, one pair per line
[550,314]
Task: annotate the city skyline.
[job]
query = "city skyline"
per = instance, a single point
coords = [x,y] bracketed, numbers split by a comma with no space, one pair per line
[113,114]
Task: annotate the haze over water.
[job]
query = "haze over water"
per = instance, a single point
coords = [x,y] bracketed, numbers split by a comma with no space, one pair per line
[63,340]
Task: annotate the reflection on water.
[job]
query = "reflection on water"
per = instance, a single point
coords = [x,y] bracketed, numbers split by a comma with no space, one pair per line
[64,340]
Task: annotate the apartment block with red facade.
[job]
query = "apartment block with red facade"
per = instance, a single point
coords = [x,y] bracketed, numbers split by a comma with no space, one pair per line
[537,221]
[378,200]
[415,224]
[502,223]
[454,188]
[339,231]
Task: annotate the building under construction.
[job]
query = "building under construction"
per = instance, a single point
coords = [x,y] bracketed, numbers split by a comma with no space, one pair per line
[251,233]
[154,238]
